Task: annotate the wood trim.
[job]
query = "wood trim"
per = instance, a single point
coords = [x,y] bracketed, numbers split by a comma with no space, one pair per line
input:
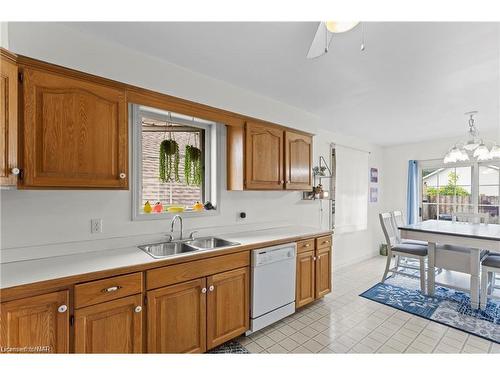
[8,55]
[235,138]
[160,277]
[96,291]
[37,288]
[323,264]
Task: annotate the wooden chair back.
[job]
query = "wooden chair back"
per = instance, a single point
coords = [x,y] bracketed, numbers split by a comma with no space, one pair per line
[386,221]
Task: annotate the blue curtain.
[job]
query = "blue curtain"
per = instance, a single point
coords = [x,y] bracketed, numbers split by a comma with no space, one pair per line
[412,193]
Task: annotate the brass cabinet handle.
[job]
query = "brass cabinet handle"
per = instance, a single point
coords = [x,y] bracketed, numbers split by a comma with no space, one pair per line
[307,245]
[111,289]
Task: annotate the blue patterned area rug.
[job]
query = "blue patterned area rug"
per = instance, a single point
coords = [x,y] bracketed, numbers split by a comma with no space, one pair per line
[449,307]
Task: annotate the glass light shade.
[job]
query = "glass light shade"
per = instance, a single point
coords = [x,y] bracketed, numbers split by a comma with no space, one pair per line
[481,152]
[463,156]
[472,145]
[340,27]
[495,152]
[449,159]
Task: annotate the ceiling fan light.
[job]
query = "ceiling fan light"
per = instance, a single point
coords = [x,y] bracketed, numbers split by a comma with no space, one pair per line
[449,159]
[472,145]
[463,156]
[340,27]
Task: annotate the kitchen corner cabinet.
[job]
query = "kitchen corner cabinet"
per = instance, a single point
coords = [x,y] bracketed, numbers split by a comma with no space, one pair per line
[110,327]
[74,131]
[298,161]
[37,324]
[9,170]
[263,157]
[314,270]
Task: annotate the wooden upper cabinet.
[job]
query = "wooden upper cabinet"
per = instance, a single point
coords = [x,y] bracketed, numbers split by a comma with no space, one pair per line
[74,132]
[8,121]
[305,278]
[298,161]
[323,272]
[36,325]
[110,327]
[177,318]
[263,157]
[228,313]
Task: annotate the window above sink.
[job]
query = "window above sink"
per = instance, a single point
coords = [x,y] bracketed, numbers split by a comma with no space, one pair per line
[175,164]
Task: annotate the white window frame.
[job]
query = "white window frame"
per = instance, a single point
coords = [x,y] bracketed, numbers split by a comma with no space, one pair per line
[212,165]
[438,163]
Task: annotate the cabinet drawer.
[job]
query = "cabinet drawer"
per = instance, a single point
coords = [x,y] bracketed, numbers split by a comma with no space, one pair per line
[306,245]
[107,289]
[195,269]
[325,241]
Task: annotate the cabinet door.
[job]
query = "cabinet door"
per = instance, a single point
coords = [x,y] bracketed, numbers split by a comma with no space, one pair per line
[304,288]
[323,272]
[228,312]
[74,133]
[263,157]
[298,161]
[36,324]
[110,327]
[8,122]
[177,318]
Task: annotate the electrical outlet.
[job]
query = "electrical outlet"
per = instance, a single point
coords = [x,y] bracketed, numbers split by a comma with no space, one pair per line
[96,226]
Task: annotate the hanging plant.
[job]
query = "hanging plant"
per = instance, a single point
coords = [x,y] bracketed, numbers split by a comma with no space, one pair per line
[169,161]
[192,165]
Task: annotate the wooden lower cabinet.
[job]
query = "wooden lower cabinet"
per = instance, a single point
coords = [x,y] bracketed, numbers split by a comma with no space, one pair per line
[37,324]
[323,272]
[305,278]
[110,327]
[177,318]
[314,271]
[197,315]
[228,311]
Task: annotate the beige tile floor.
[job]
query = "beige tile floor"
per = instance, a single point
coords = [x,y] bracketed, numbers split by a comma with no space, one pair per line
[343,322]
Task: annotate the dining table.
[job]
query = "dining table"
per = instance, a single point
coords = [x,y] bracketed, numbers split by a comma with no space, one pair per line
[476,238]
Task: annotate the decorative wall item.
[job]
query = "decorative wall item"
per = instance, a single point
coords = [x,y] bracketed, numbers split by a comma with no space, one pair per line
[374,175]
[373,194]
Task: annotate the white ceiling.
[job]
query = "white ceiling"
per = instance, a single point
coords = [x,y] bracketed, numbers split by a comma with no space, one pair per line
[413,82]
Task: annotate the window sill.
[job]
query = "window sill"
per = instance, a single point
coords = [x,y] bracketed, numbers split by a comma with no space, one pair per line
[170,215]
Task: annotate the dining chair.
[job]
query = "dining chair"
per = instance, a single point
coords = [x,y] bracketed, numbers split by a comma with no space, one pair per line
[490,267]
[409,250]
[398,221]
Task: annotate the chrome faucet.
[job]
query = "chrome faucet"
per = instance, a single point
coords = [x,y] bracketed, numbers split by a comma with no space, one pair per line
[172,226]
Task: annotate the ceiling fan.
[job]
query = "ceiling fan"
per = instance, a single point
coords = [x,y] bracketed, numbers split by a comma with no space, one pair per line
[324,35]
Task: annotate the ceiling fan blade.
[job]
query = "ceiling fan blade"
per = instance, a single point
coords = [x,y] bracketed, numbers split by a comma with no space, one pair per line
[320,43]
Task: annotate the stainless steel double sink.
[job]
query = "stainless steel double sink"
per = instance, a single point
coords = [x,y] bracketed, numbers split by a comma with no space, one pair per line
[171,248]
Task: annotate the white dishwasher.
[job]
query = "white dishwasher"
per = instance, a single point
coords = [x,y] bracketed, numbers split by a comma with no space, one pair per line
[273,285]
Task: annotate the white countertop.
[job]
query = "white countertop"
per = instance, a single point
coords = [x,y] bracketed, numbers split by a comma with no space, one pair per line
[481,231]
[36,270]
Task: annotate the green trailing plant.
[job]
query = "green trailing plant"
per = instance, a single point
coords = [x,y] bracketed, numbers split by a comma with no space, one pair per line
[169,161]
[192,165]
[450,189]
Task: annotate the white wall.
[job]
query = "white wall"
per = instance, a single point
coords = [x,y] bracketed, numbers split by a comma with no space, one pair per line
[32,218]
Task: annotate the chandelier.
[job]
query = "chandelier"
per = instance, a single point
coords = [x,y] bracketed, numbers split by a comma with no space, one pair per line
[473,148]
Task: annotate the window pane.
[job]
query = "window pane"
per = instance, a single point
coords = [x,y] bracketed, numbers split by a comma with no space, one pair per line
[493,211]
[488,195]
[174,191]
[429,211]
[489,175]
